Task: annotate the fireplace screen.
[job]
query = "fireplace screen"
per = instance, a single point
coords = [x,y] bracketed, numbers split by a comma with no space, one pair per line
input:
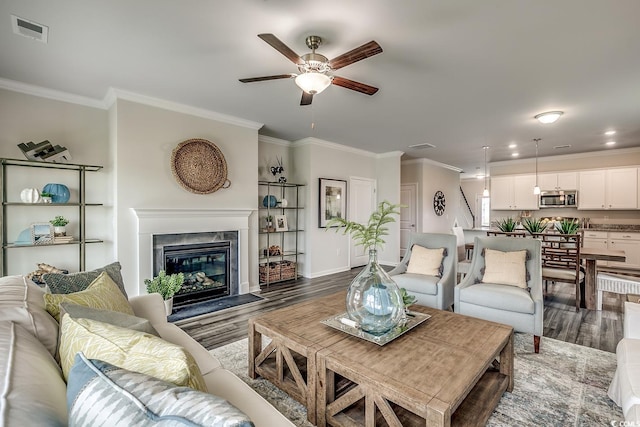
[205,267]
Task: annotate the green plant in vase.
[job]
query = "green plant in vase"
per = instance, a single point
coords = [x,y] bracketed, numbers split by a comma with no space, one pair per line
[568,226]
[165,285]
[534,226]
[506,225]
[374,301]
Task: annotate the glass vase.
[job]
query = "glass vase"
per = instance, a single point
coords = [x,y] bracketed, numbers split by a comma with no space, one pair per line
[373,299]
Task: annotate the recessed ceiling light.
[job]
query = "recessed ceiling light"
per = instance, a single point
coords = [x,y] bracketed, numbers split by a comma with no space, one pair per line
[512,145]
[514,154]
[611,143]
[548,117]
[610,132]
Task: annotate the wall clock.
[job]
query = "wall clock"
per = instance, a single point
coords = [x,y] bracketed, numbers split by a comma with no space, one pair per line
[438,203]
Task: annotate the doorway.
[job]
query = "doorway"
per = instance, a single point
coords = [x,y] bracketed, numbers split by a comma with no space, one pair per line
[408,214]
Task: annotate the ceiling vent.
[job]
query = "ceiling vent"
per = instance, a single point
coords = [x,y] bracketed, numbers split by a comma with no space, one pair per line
[558,147]
[423,145]
[30,29]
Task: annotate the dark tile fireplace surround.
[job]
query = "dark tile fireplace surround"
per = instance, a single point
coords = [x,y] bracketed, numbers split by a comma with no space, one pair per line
[208,260]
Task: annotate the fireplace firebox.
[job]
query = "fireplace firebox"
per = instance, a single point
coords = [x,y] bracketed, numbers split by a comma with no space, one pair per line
[206,269]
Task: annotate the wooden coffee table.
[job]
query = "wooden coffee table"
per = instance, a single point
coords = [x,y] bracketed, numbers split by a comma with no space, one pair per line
[443,372]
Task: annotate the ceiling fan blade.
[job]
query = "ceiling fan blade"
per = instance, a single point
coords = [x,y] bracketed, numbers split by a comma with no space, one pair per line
[306,98]
[261,79]
[358,54]
[353,85]
[277,44]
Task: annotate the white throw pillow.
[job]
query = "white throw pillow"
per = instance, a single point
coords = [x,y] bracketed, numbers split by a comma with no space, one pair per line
[505,268]
[425,261]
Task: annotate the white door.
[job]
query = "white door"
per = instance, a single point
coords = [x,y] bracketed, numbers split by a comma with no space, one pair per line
[362,201]
[408,214]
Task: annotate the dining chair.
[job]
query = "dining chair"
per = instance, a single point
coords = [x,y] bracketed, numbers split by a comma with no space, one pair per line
[499,288]
[506,234]
[431,288]
[463,262]
[561,260]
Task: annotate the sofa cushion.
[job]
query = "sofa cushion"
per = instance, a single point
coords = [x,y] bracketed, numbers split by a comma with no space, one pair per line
[498,296]
[425,261]
[100,391]
[418,283]
[102,293]
[128,349]
[32,387]
[69,283]
[108,316]
[505,268]
[21,301]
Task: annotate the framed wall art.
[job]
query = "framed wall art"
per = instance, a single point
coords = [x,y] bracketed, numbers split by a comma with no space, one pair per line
[333,200]
[281,223]
[41,233]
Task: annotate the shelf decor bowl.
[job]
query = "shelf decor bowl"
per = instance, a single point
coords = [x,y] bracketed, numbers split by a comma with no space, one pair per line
[59,192]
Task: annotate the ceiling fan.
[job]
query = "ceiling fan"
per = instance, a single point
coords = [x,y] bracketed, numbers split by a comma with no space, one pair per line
[316,70]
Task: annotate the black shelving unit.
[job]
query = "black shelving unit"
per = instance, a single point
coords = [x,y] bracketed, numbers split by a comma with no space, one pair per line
[278,267]
[5,167]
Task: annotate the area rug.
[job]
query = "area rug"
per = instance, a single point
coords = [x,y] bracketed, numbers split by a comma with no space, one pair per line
[210,306]
[564,385]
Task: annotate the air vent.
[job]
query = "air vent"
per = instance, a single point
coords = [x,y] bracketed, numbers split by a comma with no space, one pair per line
[562,146]
[423,145]
[30,29]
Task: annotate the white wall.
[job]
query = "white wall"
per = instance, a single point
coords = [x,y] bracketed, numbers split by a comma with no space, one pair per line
[432,177]
[84,131]
[388,172]
[146,137]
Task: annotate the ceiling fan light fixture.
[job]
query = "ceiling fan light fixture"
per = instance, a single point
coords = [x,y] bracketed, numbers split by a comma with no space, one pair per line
[548,117]
[313,83]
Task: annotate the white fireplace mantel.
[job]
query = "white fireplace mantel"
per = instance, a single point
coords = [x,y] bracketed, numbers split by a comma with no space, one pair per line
[153,221]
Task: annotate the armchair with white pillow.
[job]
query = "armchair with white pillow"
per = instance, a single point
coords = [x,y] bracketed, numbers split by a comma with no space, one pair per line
[504,285]
[428,269]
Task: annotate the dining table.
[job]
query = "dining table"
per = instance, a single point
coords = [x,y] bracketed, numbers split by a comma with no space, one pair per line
[590,255]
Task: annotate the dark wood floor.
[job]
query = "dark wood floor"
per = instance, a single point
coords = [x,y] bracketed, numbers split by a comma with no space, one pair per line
[597,329]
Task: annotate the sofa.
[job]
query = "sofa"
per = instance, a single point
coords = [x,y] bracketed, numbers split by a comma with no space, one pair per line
[624,389]
[34,391]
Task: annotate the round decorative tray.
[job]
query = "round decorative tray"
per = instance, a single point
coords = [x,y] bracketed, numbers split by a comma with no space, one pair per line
[199,166]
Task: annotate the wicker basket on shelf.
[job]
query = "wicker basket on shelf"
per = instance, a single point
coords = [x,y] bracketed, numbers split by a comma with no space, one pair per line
[277,271]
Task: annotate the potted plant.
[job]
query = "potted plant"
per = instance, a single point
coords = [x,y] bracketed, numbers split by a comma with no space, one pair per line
[568,226]
[374,301]
[166,286]
[506,225]
[46,197]
[59,225]
[534,226]
[269,222]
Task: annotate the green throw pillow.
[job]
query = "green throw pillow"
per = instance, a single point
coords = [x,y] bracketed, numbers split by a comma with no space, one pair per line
[75,282]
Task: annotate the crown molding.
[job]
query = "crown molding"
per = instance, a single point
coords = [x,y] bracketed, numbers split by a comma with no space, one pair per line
[430,162]
[333,145]
[114,94]
[272,140]
[588,154]
[55,95]
[390,154]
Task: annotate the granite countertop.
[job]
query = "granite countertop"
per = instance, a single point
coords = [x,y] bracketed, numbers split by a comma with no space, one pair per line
[614,227]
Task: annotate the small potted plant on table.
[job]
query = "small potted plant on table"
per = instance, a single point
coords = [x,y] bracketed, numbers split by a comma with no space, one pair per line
[166,286]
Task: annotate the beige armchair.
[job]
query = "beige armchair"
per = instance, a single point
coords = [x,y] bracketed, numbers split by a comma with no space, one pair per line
[431,290]
[519,305]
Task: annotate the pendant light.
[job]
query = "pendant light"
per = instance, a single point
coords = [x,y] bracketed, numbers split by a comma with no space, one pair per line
[485,193]
[536,189]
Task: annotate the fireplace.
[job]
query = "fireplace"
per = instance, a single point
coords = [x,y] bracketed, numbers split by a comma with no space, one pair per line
[208,260]
[206,269]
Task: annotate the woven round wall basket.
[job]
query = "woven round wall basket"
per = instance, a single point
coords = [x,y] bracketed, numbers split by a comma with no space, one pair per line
[199,166]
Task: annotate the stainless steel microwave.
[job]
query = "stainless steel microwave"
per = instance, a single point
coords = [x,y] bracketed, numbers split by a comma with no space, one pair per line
[558,199]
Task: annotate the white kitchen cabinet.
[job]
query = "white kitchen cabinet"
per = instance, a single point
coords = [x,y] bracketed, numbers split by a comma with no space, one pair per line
[598,240]
[608,189]
[513,192]
[630,244]
[558,181]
